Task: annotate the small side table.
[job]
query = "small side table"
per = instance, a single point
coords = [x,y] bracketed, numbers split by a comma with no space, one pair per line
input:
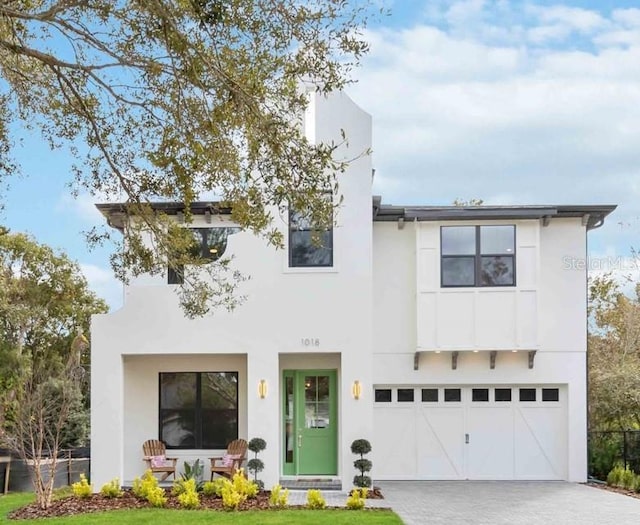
[7,461]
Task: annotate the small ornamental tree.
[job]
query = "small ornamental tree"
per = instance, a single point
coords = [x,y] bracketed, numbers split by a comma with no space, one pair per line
[256,465]
[362,447]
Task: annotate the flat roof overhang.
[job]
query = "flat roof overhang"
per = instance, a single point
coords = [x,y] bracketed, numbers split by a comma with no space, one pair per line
[592,215]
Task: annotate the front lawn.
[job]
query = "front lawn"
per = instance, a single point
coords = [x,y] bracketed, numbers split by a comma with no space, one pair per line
[188,517]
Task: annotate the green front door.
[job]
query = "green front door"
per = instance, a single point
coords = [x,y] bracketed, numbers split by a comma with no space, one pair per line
[310,422]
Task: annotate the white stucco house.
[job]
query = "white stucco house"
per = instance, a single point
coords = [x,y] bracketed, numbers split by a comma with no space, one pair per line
[453,338]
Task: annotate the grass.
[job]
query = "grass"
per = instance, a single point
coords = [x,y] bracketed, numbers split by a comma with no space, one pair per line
[186,517]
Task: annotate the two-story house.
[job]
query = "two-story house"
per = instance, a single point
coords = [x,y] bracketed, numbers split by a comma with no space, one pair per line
[453,338]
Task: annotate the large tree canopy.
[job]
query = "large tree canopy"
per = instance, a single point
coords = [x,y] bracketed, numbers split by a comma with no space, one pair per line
[614,356]
[164,99]
[45,303]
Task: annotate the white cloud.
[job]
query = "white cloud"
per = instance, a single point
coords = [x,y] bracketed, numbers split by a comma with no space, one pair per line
[465,12]
[84,206]
[104,284]
[548,33]
[627,17]
[580,20]
[550,114]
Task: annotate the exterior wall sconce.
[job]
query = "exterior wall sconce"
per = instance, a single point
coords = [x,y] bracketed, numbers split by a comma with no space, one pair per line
[356,389]
[262,389]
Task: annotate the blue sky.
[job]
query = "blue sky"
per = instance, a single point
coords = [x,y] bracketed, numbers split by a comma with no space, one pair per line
[512,102]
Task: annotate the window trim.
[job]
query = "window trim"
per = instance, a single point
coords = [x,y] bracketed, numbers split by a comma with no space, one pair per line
[477,258]
[198,407]
[311,228]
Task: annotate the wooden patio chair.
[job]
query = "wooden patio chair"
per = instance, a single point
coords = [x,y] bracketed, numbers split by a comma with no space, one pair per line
[155,454]
[228,464]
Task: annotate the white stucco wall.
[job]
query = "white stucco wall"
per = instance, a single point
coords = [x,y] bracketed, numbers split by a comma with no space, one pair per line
[546,312]
[477,318]
[379,304]
[284,307]
[141,391]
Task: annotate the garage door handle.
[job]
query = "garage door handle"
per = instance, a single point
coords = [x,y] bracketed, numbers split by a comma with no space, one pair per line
[466,439]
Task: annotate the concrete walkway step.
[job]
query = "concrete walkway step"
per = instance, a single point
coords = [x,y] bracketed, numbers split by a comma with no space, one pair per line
[306,484]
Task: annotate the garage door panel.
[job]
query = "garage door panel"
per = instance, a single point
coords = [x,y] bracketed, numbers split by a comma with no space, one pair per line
[441,446]
[520,434]
[540,444]
[395,446]
[490,448]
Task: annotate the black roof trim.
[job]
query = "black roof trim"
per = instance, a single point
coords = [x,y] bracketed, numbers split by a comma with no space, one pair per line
[593,214]
[116,213]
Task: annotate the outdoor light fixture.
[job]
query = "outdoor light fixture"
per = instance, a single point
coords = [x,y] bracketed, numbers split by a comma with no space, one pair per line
[356,389]
[262,388]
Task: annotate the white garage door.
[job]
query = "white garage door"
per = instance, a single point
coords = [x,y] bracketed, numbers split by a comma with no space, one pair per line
[470,432]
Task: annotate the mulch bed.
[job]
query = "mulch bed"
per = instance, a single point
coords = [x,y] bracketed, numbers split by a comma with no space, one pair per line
[70,505]
[619,490]
[375,493]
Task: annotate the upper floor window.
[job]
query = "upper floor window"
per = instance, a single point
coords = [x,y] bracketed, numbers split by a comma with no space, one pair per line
[478,256]
[310,245]
[209,244]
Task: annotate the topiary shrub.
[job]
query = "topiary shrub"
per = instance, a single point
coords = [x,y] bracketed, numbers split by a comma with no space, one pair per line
[362,447]
[256,465]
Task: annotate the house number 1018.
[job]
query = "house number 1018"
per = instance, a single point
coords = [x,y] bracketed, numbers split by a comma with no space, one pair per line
[310,341]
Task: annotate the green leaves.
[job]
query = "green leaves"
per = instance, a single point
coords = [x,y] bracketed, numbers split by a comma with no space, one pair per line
[614,356]
[178,97]
[44,303]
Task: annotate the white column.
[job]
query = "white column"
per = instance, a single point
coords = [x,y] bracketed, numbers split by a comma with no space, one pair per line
[263,415]
[577,423]
[106,406]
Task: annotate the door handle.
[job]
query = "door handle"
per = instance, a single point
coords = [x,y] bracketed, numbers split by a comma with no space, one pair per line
[299,440]
[466,439]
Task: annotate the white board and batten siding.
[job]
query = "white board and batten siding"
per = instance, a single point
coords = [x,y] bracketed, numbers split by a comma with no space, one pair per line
[472,439]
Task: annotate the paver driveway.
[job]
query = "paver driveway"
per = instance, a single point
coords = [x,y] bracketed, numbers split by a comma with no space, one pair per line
[507,503]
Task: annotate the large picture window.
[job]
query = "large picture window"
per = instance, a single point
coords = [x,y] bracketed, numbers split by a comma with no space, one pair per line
[309,244]
[478,256]
[198,410]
